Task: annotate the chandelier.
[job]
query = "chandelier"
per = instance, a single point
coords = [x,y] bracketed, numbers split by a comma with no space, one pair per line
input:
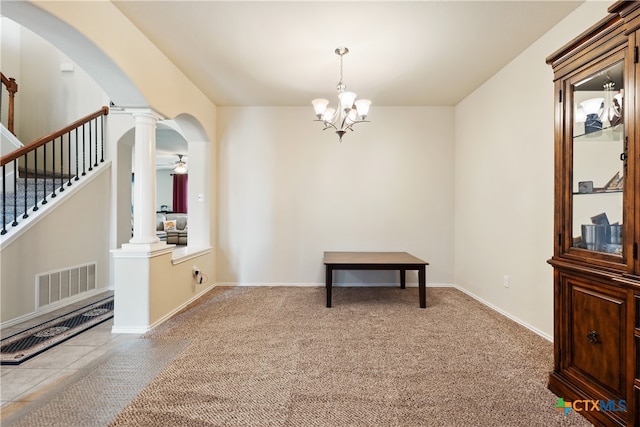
[349,111]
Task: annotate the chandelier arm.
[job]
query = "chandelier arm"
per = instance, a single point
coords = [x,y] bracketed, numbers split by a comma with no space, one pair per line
[350,127]
[327,125]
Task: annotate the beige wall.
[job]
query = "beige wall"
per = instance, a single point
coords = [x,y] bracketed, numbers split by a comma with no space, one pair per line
[68,243]
[289,192]
[504,181]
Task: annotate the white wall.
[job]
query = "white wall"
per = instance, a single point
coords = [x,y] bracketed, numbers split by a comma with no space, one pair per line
[9,63]
[504,180]
[164,188]
[289,192]
[50,98]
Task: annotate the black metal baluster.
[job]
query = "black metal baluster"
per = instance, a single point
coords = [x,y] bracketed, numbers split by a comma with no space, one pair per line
[61,189]
[15,193]
[102,138]
[77,157]
[44,175]
[4,200]
[90,141]
[95,121]
[84,152]
[26,188]
[69,159]
[53,162]
[35,178]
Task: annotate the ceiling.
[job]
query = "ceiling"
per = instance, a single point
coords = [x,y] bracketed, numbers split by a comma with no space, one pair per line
[281,53]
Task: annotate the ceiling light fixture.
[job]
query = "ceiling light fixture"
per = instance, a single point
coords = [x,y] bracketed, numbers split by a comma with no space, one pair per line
[180,166]
[349,111]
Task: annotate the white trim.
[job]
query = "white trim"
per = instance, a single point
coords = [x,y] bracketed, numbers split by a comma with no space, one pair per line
[318,285]
[505,314]
[181,307]
[129,330]
[9,137]
[142,330]
[181,255]
[53,307]
[335,285]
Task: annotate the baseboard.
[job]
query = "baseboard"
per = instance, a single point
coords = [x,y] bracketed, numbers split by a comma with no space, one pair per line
[181,307]
[54,306]
[409,285]
[129,330]
[335,285]
[505,314]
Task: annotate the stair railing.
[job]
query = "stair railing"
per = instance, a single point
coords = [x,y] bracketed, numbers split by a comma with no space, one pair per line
[49,163]
[12,88]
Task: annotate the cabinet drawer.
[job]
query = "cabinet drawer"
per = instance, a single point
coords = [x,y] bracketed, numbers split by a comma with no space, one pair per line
[597,336]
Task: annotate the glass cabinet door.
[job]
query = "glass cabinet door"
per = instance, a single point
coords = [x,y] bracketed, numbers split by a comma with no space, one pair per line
[597,174]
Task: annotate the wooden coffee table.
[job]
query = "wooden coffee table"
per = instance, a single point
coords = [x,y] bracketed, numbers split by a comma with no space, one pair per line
[401,261]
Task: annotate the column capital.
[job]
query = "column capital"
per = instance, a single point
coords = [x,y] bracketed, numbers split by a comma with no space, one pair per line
[143,112]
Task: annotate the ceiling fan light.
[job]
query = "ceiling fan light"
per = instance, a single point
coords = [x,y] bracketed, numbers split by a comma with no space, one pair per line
[181,168]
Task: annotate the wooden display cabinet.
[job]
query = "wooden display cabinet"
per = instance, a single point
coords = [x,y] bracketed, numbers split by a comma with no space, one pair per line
[597,218]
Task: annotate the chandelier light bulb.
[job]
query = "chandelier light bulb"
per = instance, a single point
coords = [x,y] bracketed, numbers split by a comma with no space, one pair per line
[362,105]
[320,105]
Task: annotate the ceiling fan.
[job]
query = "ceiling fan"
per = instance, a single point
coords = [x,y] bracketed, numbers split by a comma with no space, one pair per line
[180,166]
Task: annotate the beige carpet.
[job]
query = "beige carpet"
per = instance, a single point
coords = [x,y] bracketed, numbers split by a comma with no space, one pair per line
[278,357]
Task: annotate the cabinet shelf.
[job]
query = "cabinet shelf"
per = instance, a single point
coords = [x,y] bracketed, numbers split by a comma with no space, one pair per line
[607,134]
[598,192]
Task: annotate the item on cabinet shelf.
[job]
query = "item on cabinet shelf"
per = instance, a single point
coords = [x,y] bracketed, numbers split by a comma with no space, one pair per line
[615,234]
[585,187]
[615,183]
[593,108]
[594,236]
[616,110]
[600,219]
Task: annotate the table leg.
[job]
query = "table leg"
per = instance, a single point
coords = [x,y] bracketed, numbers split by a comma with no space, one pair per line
[403,279]
[329,283]
[422,281]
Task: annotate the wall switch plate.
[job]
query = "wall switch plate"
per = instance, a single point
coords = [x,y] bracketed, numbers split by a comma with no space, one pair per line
[505,281]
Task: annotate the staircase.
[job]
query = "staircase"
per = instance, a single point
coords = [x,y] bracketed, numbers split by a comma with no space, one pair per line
[34,174]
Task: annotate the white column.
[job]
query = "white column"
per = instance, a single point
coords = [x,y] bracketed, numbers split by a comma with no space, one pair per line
[144,187]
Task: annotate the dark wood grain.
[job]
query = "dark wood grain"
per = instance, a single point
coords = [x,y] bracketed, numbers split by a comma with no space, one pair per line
[401,261]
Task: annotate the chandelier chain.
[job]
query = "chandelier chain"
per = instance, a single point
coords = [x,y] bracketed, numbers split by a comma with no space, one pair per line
[341,85]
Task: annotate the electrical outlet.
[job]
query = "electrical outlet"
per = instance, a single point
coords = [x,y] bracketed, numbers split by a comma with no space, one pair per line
[197,274]
[505,281]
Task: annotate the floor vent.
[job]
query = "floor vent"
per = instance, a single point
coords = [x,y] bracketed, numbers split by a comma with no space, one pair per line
[56,286]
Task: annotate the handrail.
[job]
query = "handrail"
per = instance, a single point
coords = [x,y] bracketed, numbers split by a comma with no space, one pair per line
[43,140]
[12,88]
[43,168]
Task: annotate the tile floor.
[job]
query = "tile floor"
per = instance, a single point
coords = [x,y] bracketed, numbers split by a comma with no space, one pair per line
[25,384]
